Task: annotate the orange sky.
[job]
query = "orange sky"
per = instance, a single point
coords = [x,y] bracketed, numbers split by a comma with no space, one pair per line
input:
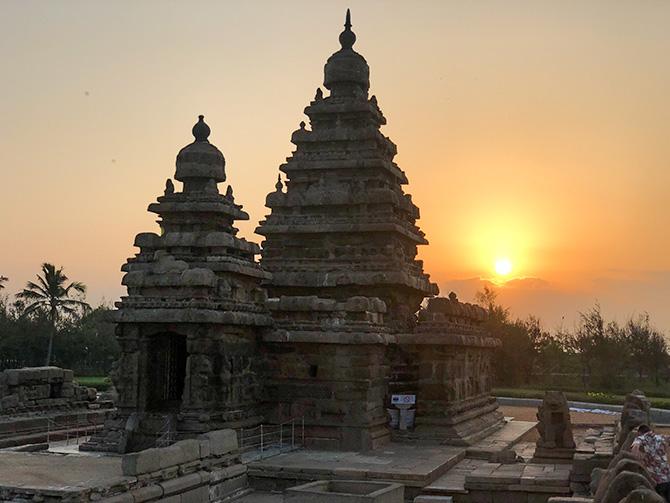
[528,129]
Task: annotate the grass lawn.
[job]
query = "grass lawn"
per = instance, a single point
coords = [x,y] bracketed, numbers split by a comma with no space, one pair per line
[101,383]
[579,396]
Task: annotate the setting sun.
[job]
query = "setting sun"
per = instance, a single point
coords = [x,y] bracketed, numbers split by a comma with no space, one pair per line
[503,266]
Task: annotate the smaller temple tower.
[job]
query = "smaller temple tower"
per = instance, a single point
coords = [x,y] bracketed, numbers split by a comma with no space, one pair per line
[189,324]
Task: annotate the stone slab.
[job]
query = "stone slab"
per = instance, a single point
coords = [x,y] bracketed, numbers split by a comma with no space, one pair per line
[345,491]
[502,439]
[410,465]
[33,470]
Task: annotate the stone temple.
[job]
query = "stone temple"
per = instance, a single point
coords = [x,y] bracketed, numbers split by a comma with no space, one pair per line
[327,327]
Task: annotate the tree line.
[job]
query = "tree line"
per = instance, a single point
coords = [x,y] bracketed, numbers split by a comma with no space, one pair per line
[49,322]
[596,354]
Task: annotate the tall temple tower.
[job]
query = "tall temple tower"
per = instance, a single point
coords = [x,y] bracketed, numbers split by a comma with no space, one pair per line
[341,244]
[344,226]
[189,324]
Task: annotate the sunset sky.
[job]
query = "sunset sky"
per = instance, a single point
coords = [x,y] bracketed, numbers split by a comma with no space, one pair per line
[534,134]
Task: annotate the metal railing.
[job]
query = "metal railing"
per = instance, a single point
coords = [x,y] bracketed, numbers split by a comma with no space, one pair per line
[76,429]
[267,440]
[167,434]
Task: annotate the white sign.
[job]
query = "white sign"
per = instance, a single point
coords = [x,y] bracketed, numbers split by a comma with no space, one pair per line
[403,399]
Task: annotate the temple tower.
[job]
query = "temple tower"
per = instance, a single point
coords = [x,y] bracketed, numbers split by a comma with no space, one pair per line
[188,326]
[344,227]
[341,243]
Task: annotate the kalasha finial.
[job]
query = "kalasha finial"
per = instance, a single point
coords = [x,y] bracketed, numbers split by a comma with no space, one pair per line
[302,124]
[201,130]
[279,185]
[347,37]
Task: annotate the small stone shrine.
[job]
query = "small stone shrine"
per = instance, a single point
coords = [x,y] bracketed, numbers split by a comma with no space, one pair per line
[189,324]
[451,354]
[556,442]
[40,389]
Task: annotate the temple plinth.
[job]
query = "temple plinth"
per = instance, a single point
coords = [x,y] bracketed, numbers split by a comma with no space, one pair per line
[188,326]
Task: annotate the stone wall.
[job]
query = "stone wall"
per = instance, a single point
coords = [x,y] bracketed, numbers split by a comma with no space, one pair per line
[327,362]
[36,389]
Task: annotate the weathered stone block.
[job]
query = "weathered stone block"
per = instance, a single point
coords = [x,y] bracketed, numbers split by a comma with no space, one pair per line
[171,456]
[147,493]
[221,441]
[141,462]
[190,449]
[181,484]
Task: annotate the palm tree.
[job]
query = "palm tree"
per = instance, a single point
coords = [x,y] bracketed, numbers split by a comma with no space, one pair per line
[3,280]
[50,295]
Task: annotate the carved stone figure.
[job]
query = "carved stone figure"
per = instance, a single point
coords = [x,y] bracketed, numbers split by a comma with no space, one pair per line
[555,428]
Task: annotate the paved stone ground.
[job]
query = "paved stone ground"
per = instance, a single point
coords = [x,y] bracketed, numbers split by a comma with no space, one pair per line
[413,465]
[37,470]
[506,437]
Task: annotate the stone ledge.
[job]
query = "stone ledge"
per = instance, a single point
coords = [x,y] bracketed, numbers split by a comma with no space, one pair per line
[330,337]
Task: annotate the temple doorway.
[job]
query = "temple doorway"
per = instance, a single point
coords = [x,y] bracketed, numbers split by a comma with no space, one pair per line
[166,372]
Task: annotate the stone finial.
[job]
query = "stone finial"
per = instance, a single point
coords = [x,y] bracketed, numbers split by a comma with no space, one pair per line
[169,187]
[279,185]
[302,125]
[319,94]
[201,129]
[347,37]
[229,193]
[453,297]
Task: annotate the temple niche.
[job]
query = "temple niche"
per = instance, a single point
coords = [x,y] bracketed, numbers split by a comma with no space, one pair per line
[346,290]
[189,323]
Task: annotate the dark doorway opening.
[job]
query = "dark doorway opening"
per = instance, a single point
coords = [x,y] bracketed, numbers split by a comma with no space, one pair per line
[167,371]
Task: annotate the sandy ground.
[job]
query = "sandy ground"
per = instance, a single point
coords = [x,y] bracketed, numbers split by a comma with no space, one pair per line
[528,414]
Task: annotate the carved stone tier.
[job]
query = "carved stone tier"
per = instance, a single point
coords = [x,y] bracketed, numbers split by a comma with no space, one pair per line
[326,362]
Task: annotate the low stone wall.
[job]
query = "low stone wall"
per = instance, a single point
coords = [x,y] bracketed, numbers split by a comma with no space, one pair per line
[34,389]
[204,469]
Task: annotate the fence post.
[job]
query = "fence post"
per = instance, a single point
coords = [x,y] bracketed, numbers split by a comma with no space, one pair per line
[261,438]
[302,444]
[281,435]
[292,433]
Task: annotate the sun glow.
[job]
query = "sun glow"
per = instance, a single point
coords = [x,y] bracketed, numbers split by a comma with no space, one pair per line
[503,266]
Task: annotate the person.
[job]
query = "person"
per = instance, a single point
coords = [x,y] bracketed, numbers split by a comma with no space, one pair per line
[650,449]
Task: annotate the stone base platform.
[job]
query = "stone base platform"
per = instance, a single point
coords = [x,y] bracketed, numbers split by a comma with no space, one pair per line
[415,466]
[473,480]
[57,476]
[502,439]
[196,470]
[410,465]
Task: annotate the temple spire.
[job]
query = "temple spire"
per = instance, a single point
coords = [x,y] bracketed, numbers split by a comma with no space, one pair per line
[201,129]
[347,37]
